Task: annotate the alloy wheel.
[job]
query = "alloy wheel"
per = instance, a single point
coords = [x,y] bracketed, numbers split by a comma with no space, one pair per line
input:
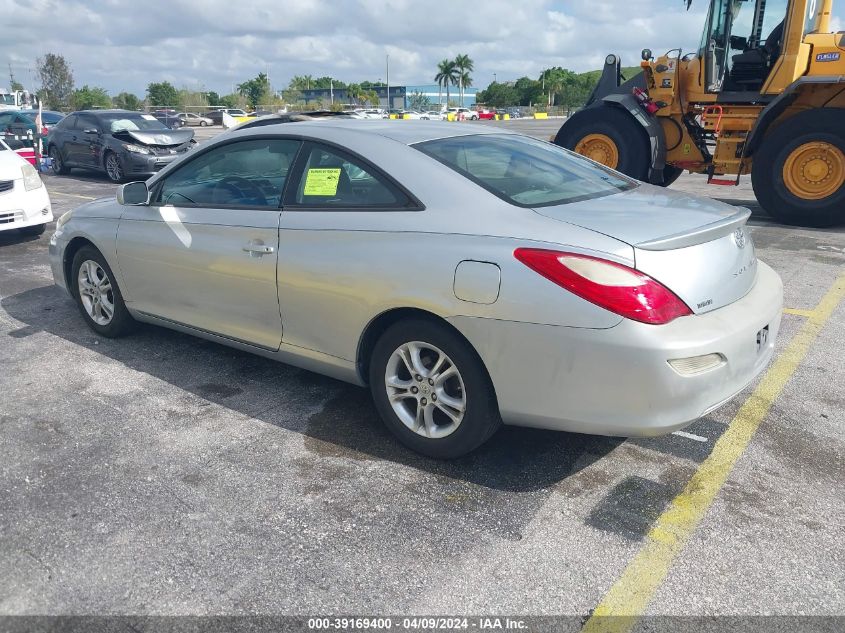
[113,168]
[425,389]
[56,160]
[95,292]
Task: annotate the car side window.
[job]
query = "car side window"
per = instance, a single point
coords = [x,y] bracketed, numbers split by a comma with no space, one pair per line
[240,174]
[86,122]
[331,178]
[68,123]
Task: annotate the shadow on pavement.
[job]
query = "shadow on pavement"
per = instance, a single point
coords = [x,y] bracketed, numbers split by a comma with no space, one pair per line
[514,460]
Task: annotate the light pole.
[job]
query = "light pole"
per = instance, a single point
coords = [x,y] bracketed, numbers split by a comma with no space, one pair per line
[388,81]
[494,78]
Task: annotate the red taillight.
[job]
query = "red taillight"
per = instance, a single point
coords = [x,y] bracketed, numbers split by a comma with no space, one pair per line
[44,131]
[620,289]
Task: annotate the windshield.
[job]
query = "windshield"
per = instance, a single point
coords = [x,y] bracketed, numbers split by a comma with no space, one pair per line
[6,99]
[524,171]
[125,121]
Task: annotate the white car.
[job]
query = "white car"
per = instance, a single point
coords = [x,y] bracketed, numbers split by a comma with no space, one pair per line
[465,113]
[24,202]
[434,115]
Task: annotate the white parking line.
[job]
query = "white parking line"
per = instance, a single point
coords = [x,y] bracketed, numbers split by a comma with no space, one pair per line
[690,436]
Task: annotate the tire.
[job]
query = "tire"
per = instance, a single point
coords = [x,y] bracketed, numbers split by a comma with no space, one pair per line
[670,175]
[778,173]
[36,230]
[628,136]
[113,167]
[58,163]
[203,123]
[470,386]
[88,294]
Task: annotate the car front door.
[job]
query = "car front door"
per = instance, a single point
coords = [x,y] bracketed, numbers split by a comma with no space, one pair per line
[204,252]
[87,143]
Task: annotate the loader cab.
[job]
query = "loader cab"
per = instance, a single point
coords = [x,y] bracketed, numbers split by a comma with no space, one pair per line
[742,41]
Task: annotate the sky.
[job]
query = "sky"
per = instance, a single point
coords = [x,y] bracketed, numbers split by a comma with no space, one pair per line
[214,44]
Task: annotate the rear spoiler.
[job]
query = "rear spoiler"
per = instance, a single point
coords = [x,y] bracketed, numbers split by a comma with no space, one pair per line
[706,233]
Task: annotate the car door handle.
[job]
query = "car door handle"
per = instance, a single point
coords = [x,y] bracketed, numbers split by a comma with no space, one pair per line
[257,250]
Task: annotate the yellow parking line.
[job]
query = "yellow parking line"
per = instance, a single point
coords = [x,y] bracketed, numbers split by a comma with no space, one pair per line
[72,195]
[798,312]
[629,596]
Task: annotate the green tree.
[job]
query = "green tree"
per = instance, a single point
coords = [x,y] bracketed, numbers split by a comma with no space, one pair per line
[255,90]
[324,83]
[355,93]
[230,101]
[499,95]
[162,94]
[56,81]
[292,96]
[14,85]
[87,97]
[126,101]
[213,98]
[419,101]
[301,82]
[447,75]
[529,90]
[464,66]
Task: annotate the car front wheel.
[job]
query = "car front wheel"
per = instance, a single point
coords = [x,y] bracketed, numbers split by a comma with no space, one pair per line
[432,390]
[97,294]
[59,167]
[114,170]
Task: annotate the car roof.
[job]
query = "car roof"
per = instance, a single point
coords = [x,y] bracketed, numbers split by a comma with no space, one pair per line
[406,132]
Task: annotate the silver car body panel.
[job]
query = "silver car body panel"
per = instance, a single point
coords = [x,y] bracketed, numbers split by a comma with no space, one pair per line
[619,381]
[556,360]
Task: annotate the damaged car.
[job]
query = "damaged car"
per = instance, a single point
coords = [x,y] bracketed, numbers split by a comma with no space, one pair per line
[121,143]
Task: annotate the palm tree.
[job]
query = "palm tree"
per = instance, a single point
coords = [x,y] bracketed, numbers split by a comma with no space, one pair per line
[354,92]
[465,66]
[447,74]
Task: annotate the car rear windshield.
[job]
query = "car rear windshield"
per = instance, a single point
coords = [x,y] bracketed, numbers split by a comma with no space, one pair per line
[524,171]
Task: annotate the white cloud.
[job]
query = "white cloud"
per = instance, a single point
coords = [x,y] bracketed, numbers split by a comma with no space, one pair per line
[124,45]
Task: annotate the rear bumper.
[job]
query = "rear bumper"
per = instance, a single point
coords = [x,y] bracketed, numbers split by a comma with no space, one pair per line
[20,208]
[618,381]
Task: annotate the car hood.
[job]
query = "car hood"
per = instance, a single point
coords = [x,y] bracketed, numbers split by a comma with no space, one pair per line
[160,137]
[652,218]
[10,165]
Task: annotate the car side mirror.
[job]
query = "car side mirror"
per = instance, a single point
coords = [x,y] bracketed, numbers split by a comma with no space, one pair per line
[91,130]
[133,194]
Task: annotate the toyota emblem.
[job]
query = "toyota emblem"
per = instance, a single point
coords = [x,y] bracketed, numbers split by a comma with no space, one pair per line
[739,237]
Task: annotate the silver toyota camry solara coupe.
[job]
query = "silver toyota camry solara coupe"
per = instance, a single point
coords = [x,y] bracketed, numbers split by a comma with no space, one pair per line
[470,277]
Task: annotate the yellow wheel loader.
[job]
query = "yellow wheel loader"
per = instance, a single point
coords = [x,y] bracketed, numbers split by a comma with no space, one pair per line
[763,95]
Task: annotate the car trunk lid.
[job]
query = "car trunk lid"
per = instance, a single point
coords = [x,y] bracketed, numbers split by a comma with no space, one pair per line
[696,247]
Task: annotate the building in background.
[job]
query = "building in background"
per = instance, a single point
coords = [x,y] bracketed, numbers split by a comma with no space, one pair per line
[433,91]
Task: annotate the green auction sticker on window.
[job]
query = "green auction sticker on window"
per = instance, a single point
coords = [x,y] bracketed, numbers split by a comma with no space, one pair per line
[322,182]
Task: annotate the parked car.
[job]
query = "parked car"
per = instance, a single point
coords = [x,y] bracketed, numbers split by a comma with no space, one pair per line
[169,118]
[49,118]
[465,113]
[216,116]
[485,114]
[15,125]
[474,276]
[434,115]
[193,119]
[120,143]
[24,201]
[515,113]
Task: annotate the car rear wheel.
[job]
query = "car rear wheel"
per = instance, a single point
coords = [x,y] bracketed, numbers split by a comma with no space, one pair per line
[58,164]
[432,390]
[114,170]
[203,123]
[97,294]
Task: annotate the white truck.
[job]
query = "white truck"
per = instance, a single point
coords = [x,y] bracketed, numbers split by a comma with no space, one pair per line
[17,100]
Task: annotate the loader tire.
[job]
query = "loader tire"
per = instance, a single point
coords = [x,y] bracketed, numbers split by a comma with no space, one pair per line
[799,169]
[610,136]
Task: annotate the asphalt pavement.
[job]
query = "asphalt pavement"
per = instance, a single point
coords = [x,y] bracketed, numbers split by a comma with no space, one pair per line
[164,475]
